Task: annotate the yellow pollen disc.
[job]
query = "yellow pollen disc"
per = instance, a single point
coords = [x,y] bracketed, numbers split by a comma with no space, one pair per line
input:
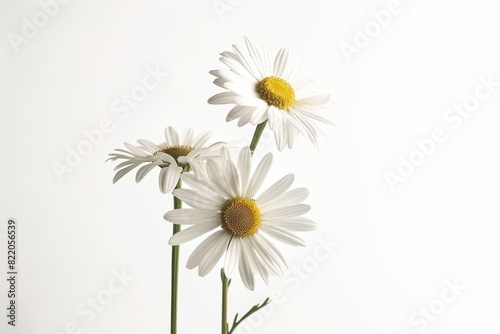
[240,217]
[176,151]
[276,92]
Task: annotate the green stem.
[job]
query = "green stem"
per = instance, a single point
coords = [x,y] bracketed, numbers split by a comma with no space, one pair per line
[225,287]
[256,136]
[254,309]
[225,281]
[175,269]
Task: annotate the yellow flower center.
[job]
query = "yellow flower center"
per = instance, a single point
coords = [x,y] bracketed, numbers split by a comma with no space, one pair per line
[276,92]
[176,151]
[240,216]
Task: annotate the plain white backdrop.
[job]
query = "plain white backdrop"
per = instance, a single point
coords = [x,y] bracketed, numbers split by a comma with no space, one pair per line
[415,254]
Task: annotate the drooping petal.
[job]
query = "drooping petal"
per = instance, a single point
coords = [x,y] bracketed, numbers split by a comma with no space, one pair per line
[122,173]
[245,266]
[223,98]
[270,254]
[232,255]
[214,253]
[192,232]
[144,170]
[219,239]
[282,235]
[169,176]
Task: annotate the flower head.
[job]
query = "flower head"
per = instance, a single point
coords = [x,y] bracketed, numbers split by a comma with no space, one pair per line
[172,156]
[263,91]
[227,202]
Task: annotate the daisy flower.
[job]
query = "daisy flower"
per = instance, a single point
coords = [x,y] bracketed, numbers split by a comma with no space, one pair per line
[172,156]
[227,202]
[263,92]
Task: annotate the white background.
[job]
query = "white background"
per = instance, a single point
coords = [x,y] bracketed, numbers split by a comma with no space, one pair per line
[395,248]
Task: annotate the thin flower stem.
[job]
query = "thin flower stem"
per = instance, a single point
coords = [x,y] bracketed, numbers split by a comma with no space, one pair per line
[225,281]
[254,309]
[175,270]
[256,136]
[225,287]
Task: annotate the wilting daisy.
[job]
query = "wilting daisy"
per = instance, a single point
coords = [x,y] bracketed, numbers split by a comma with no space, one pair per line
[264,91]
[171,156]
[228,202]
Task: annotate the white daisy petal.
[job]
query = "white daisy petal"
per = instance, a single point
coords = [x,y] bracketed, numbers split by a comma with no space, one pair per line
[134,149]
[217,181]
[230,76]
[249,101]
[245,165]
[276,190]
[292,197]
[245,266]
[273,257]
[247,62]
[197,201]
[188,138]
[191,233]
[238,111]
[200,187]
[191,216]
[171,136]
[245,119]
[286,212]
[213,254]
[127,163]
[232,178]
[223,98]
[294,224]
[280,138]
[259,115]
[215,240]
[146,144]
[259,175]
[281,235]
[235,65]
[316,100]
[275,117]
[284,64]
[300,108]
[255,55]
[169,176]
[232,255]
[201,139]
[122,172]
[144,170]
